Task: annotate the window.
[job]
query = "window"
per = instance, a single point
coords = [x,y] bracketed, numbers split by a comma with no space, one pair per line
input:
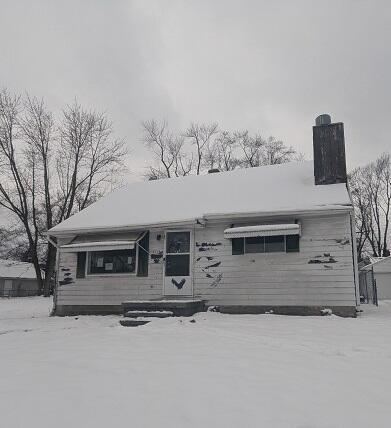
[266,244]
[292,244]
[177,254]
[255,245]
[113,261]
[81,265]
[237,246]
[178,265]
[274,244]
[178,242]
[143,256]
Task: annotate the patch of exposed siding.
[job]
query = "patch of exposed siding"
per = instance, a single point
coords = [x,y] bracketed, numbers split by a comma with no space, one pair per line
[320,274]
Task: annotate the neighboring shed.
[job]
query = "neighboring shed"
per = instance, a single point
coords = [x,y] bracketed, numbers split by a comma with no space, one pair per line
[382,274]
[17,279]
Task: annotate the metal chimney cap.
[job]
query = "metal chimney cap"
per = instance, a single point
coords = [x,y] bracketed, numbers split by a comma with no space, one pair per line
[323,119]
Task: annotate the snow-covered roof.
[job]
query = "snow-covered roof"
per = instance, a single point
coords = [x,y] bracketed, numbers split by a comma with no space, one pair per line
[376,262]
[268,189]
[15,269]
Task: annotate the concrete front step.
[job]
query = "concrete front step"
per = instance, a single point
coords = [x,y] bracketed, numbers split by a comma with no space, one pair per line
[130,322]
[149,314]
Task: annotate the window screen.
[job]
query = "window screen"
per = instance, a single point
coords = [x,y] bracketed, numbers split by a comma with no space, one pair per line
[115,261]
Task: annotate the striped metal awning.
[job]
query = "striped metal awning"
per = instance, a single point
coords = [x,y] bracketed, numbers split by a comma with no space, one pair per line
[262,230]
[98,246]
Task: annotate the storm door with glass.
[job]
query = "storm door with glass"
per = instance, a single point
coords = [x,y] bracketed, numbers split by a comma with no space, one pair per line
[177,270]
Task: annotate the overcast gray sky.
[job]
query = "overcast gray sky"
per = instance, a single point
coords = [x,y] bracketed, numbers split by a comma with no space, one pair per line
[269,66]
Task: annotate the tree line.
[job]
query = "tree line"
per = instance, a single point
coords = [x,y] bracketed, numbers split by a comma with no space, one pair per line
[201,147]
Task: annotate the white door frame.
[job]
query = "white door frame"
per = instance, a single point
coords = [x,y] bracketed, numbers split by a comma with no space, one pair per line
[191,257]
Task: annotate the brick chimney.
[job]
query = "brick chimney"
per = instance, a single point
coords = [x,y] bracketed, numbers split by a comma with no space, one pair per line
[329,151]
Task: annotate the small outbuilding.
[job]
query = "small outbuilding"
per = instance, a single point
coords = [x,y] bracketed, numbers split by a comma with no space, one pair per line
[17,279]
[381,269]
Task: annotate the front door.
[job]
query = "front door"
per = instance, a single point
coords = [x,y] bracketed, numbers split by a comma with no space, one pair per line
[177,266]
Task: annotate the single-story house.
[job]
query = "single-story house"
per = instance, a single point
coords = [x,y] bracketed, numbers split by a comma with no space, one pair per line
[381,269]
[277,237]
[17,279]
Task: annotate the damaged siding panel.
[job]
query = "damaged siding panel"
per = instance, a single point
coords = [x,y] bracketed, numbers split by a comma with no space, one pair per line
[110,289]
[280,278]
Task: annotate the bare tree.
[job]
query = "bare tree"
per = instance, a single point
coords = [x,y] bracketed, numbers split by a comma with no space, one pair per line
[201,137]
[252,148]
[48,173]
[88,158]
[276,152]
[18,176]
[165,147]
[257,151]
[37,134]
[222,154]
[203,146]
[371,191]
[362,210]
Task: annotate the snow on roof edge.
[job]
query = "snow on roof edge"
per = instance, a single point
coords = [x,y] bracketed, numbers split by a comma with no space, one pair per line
[211,216]
[376,262]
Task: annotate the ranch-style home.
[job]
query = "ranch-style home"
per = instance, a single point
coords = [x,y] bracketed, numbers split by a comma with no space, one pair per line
[17,279]
[274,238]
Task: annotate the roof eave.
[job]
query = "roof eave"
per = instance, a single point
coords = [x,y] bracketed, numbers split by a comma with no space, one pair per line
[321,209]
[128,228]
[191,222]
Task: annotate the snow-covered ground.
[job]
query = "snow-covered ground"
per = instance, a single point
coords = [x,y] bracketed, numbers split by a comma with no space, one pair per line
[220,371]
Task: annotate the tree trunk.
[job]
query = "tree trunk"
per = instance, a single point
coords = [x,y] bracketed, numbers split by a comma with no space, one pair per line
[38,271]
[49,269]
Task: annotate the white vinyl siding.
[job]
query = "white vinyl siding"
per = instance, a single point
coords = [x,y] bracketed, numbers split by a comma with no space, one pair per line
[280,278]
